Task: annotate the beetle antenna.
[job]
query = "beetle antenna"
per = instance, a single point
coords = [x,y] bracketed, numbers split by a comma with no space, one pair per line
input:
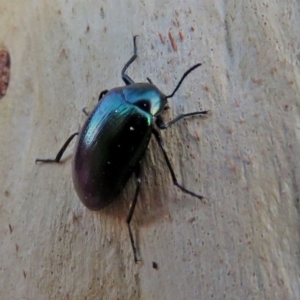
[182,78]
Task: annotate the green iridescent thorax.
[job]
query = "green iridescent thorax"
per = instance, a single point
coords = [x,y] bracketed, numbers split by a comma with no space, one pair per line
[146,96]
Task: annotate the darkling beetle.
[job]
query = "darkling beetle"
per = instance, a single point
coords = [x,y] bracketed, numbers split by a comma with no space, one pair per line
[114,139]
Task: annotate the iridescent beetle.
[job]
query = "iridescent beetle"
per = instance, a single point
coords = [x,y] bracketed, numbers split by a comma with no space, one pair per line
[114,139]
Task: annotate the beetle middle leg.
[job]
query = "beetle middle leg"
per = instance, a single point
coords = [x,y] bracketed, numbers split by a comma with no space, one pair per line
[132,207]
[60,152]
[161,145]
[125,77]
[85,111]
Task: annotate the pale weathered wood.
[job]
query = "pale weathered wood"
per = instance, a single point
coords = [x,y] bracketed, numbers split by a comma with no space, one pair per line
[244,242]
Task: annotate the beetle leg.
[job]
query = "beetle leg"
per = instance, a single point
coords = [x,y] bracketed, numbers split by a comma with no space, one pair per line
[132,207]
[102,94]
[125,77]
[161,145]
[149,80]
[161,125]
[60,153]
[85,111]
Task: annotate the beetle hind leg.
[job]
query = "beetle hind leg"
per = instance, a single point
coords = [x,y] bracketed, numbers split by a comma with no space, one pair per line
[125,77]
[131,211]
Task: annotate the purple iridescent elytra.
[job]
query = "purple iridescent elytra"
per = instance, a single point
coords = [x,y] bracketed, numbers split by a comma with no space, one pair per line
[112,142]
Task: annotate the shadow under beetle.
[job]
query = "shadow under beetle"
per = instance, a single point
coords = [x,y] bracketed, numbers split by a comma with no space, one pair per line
[114,139]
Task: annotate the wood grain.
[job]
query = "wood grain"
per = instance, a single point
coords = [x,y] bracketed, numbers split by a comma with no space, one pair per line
[244,242]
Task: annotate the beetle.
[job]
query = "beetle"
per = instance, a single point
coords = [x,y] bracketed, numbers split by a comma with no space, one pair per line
[114,138]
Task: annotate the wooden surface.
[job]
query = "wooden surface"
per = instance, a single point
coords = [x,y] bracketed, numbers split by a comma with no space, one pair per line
[244,242]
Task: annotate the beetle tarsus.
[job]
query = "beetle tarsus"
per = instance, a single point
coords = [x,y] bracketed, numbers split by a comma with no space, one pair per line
[125,77]
[60,152]
[175,182]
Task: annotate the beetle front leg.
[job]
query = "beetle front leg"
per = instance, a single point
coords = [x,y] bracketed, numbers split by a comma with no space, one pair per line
[60,152]
[125,77]
[102,94]
[132,207]
[161,145]
[161,125]
[85,111]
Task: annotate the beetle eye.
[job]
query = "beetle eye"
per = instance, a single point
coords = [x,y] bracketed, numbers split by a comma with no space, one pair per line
[143,105]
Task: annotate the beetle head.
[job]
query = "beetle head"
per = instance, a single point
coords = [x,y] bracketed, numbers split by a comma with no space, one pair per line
[148,97]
